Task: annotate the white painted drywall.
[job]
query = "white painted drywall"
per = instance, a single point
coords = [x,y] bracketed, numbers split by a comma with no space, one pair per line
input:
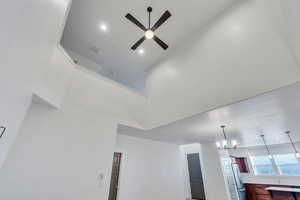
[213,178]
[89,64]
[106,71]
[149,170]
[240,54]
[215,183]
[136,82]
[290,24]
[54,80]
[29,32]
[34,63]
[60,153]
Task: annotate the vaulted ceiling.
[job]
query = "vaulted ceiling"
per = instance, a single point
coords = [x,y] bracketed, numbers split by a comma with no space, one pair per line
[221,52]
[110,49]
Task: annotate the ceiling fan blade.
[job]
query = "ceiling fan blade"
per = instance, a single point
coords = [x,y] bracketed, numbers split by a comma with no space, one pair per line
[160,42]
[138,43]
[135,21]
[161,20]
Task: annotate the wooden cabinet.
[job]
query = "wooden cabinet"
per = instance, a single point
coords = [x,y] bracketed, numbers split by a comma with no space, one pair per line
[263,197]
[282,196]
[259,192]
[242,163]
[250,192]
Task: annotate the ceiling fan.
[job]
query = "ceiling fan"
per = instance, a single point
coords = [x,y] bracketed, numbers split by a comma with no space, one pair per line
[149,32]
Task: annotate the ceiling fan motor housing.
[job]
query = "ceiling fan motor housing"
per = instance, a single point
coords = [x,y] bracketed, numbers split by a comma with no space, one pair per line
[149,9]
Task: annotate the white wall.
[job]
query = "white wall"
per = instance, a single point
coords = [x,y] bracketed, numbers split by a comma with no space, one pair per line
[290,24]
[89,64]
[28,35]
[59,154]
[240,54]
[33,62]
[149,170]
[54,80]
[214,183]
[136,82]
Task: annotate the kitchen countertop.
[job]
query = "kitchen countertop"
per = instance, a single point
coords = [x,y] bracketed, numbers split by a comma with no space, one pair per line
[272,180]
[282,189]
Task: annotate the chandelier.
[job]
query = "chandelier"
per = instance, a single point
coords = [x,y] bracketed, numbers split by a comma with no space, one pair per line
[225,144]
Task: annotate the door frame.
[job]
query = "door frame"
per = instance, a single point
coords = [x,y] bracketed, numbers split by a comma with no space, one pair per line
[187,174]
[119,175]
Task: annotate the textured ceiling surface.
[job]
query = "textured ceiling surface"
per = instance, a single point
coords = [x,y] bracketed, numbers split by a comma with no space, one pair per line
[271,113]
[110,50]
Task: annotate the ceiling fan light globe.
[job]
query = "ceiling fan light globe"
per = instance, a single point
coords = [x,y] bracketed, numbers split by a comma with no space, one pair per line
[149,34]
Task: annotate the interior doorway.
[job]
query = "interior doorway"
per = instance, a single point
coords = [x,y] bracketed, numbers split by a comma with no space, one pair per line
[195,174]
[114,182]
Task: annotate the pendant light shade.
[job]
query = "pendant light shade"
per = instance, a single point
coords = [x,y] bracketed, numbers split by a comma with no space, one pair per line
[2,128]
[267,148]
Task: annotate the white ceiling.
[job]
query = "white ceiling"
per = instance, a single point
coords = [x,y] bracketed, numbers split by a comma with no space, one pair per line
[271,113]
[82,32]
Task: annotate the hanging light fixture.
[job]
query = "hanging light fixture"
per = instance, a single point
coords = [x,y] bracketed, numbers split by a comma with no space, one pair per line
[224,144]
[269,153]
[3,129]
[293,144]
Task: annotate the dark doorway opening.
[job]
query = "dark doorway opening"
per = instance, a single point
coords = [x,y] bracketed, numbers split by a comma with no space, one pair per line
[196,179]
[114,182]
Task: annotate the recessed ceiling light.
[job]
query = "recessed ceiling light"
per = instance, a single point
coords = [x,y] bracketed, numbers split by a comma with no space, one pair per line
[103,27]
[141,52]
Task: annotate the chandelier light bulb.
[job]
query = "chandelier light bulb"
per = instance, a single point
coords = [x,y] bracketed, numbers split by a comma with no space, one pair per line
[297,155]
[224,143]
[218,144]
[234,143]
